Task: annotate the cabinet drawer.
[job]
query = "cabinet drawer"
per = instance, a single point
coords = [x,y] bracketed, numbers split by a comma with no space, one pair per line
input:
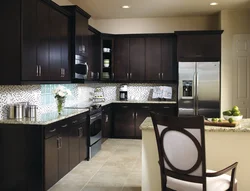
[51,130]
[77,119]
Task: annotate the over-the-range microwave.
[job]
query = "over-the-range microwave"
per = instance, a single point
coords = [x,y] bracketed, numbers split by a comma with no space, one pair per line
[80,69]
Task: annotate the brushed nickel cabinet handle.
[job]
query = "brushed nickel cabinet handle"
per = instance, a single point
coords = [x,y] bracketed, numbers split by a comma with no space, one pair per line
[159,75]
[58,143]
[40,70]
[162,75]
[98,75]
[113,76]
[52,131]
[136,115]
[37,70]
[127,76]
[64,126]
[130,75]
[74,122]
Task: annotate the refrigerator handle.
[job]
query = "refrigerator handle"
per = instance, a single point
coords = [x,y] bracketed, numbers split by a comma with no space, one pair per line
[197,95]
[194,93]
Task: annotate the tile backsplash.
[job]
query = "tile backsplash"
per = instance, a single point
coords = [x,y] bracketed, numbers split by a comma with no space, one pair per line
[42,95]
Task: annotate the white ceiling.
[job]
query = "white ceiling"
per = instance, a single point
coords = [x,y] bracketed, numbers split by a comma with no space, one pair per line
[110,9]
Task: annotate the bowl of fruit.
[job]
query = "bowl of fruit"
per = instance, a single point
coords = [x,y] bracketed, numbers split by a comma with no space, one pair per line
[233,114]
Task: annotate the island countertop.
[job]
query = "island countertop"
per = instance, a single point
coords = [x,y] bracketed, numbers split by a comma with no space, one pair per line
[243,126]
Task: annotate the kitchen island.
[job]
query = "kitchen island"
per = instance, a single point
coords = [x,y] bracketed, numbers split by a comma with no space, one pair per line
[224,146]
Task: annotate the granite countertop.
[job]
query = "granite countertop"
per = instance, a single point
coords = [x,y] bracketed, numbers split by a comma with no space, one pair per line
[243,126]
[139,102]
[45,118]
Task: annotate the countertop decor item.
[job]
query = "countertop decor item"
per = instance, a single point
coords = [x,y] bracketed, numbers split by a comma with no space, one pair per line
[60,95]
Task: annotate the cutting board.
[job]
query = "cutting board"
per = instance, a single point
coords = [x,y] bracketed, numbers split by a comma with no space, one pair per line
[221,124]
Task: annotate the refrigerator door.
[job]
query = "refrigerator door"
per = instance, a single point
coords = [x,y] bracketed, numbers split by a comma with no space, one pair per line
[186,89]
[208,89]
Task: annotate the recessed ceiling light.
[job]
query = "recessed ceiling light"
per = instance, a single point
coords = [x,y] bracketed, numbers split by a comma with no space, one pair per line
[213,3]
[125,7]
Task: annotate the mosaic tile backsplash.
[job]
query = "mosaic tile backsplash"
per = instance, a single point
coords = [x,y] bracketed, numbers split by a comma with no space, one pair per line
[43,97]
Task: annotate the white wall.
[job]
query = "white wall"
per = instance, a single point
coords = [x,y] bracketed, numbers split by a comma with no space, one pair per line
[232,22]
[155,25]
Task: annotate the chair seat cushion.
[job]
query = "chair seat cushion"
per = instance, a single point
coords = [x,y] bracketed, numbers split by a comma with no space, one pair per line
[219,183]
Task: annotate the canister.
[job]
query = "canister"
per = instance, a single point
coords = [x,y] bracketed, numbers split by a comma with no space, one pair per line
[32,111]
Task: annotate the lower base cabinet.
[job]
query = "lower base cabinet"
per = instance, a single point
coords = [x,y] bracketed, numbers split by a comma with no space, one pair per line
[106,122]
[35,157]
[51,161]
[129,117]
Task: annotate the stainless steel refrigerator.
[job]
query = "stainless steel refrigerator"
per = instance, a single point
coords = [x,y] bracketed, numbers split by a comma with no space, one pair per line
[199,89]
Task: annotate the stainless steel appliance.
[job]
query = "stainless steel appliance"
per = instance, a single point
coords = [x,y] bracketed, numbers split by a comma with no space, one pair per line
[123,93]
[199,89]
[94,139]
[80,70]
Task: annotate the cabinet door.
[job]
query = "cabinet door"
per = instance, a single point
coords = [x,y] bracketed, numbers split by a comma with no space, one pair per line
[30,32]
[55,45]
[153,59]
[65,36]
[51,161]
[124,122]
[165,109]
[169,64]
[106,123]
[43,33]
[199,47]
[83,133]
[74,147]
[141,114]
[121,59]
[91,56]
[81,39]
[137,58]
[63,151]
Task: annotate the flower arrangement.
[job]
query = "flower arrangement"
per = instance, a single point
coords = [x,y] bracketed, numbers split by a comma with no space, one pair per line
[60,95]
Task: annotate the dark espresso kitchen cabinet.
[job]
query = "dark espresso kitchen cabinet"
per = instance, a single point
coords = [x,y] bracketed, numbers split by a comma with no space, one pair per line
[121,59]
[129,117]
[94,55]
[34,30]
[79,38]
[123,121]
[153,58]
[40,154]
[106,122]
[51,161]
[137,59]
[169,66]
[199,45]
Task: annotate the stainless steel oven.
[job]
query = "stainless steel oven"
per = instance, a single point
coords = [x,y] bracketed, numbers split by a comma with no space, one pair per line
[95,133]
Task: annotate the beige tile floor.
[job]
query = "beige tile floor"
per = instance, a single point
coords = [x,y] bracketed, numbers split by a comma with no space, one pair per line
[117,167]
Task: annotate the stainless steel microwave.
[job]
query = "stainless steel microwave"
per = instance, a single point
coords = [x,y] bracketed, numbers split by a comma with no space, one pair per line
[80,68]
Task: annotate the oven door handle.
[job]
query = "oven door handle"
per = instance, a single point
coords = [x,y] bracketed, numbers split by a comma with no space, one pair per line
[95,117]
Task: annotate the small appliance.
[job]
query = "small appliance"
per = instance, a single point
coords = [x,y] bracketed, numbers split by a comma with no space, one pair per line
[123,93]
[80,69]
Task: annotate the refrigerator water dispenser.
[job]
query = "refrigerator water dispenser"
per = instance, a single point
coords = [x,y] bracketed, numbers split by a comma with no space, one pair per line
[187,86]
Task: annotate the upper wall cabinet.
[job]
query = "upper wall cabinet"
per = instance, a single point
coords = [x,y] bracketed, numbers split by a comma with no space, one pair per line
[141,58]
[34,47]
[79,40]
[199,45]
[94,55]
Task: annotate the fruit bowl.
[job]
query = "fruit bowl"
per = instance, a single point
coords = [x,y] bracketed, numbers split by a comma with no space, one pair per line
[235,118]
